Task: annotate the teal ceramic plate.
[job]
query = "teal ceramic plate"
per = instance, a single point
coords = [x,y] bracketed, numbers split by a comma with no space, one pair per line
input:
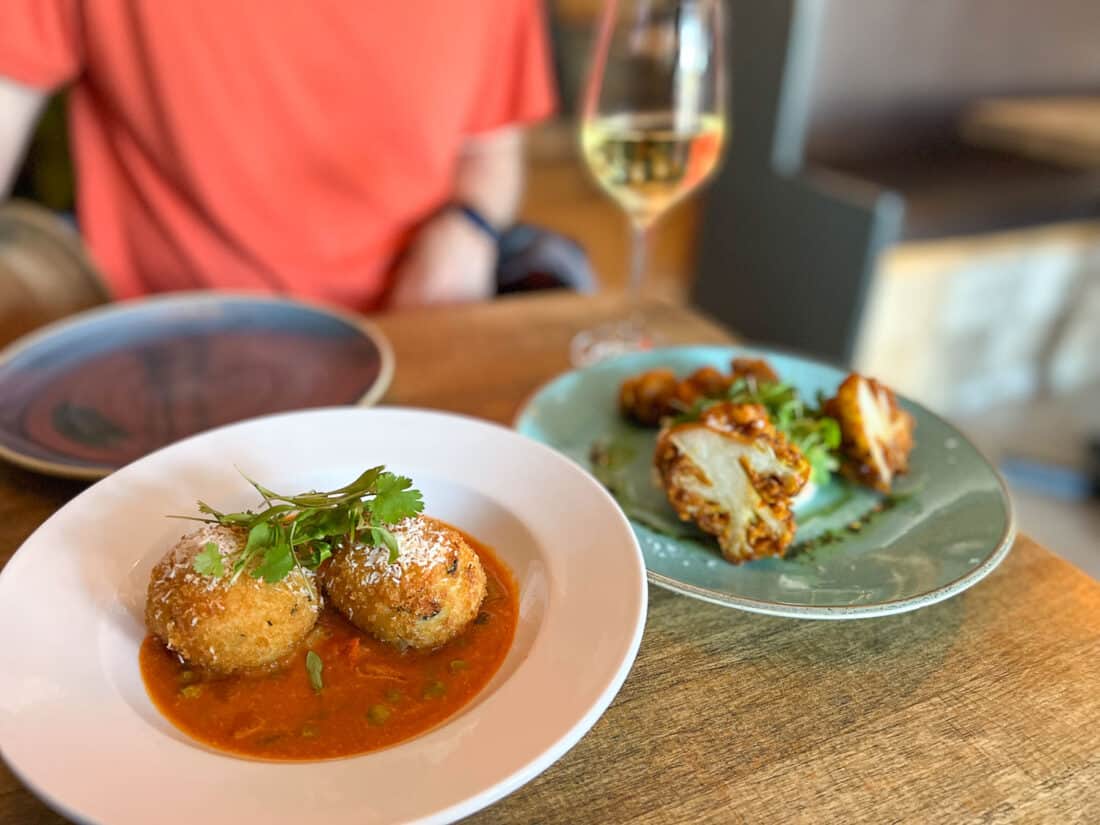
[948,526]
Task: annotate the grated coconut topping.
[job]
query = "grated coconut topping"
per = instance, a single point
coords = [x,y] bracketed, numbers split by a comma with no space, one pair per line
[230,541]
[422,544]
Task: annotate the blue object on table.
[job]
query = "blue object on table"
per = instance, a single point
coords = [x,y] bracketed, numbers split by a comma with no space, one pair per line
[532,258]
[1054,480]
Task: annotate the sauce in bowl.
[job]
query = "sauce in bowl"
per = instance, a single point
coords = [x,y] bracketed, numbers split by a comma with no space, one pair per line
[373,695]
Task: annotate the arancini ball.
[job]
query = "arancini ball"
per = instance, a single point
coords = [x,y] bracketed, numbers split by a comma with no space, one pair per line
[423,600]
[221,626]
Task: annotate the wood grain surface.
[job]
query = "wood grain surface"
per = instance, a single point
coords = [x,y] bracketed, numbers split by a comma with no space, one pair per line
[984,708]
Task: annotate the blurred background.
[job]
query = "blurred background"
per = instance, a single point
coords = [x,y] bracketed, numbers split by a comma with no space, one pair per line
[911,187]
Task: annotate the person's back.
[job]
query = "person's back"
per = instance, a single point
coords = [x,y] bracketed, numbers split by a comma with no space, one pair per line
[301,148]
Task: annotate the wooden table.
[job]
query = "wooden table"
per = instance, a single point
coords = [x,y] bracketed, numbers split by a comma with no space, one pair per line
[983,708]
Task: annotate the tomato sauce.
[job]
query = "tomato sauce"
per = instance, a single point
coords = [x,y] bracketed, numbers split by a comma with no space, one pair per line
[373,695]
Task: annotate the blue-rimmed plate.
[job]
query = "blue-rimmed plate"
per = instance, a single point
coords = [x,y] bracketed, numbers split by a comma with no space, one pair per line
[84,396]
[948,526]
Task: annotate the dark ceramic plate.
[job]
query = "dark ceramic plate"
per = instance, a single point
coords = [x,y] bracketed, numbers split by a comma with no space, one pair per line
[82,397]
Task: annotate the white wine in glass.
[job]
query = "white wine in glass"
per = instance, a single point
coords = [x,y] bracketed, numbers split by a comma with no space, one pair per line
[652,128]
[647,162]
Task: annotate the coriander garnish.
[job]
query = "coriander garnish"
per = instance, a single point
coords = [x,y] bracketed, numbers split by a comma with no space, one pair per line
[209,561]
[301,530]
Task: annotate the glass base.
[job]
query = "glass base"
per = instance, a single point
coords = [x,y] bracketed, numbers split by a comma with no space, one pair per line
[609,340]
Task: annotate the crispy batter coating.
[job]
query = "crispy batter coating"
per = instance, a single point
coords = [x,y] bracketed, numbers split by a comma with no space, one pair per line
[226,626]
[755,368]
[876,434]
[424,599]
[655,394]
[735,476]
[705,382]
[646,398]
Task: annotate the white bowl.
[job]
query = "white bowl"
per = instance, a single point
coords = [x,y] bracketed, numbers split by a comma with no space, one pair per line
[77,726]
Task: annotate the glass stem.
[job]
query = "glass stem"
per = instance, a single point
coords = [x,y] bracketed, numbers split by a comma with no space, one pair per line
[639,253]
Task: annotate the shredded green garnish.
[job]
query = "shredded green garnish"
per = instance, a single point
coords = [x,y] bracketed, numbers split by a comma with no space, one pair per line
[301,530]
[314,666]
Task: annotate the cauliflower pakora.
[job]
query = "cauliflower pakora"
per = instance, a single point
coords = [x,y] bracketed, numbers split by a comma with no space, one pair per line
[735,476]
[646,398]
[655,394]
[876,434]
[705,382]
[756,369]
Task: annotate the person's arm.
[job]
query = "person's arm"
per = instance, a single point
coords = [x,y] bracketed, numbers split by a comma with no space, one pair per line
[450,259]
[19,109]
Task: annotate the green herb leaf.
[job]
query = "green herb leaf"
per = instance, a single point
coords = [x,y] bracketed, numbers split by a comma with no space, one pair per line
[365,482]
[274,513]
[301,530]
[210,511]
[317,524]
[362,486]
[208,561]
[353,513]
[394,500]
[225,518]
[277,562]
[319,551]
[260,536]
[314,666]
[380,535]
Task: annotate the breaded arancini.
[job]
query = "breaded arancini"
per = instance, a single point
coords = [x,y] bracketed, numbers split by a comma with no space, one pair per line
[422,600]
[226,627]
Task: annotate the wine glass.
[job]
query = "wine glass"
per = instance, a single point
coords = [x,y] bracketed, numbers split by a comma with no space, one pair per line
[652,124]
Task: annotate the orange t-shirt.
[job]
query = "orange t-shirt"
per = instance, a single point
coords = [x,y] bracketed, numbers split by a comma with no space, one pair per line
[285,146]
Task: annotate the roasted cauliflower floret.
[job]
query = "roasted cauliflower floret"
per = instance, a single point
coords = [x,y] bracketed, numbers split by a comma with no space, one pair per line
[876,434]
[734,475]
[646,398]
[756,369]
